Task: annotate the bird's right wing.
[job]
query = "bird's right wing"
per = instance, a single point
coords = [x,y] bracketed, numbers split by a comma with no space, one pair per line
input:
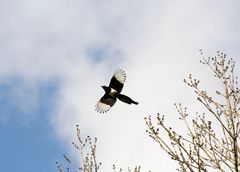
[104,104]
[118,80]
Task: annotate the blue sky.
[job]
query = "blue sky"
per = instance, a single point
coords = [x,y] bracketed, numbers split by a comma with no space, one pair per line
[55,55]
[28,144]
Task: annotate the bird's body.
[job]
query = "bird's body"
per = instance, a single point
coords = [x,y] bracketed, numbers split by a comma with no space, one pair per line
[112,93]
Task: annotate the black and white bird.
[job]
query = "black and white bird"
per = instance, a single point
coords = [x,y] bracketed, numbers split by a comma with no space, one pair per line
[112,93]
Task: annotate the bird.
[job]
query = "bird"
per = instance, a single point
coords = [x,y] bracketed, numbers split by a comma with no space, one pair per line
[112,93]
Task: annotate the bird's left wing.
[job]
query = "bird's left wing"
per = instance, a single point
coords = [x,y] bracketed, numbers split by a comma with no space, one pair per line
[118,80]
[105,103]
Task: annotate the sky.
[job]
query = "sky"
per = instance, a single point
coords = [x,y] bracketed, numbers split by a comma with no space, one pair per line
[55,55]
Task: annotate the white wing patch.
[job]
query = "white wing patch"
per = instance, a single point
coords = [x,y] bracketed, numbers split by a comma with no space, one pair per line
[102,107]
[112,92]
[120,75]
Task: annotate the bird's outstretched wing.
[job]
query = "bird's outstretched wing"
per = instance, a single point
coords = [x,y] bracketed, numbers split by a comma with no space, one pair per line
[118,80]
[105,103]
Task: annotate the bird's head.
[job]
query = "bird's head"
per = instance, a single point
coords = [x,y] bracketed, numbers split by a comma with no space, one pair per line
[105,87]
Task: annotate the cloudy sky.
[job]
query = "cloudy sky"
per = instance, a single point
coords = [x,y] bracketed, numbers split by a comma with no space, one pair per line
[55,55]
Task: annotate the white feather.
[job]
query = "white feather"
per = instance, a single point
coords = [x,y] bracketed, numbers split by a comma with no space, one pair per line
[102,107]
[120,75]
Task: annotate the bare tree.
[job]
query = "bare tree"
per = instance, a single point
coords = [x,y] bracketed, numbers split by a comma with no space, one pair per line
[212,139]
[136,169]
[87,148]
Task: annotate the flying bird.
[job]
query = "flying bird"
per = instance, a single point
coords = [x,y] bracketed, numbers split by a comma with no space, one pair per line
[112,92]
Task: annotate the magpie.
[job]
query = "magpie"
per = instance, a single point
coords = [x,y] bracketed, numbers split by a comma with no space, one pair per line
[112,93]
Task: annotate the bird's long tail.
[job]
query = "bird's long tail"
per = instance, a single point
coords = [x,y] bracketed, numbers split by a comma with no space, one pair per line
[126,99]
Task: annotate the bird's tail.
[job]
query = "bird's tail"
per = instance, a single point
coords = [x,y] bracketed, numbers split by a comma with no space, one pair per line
[126,99]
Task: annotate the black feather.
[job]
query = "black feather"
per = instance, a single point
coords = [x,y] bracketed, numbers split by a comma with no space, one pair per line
[126,99]
[117,80]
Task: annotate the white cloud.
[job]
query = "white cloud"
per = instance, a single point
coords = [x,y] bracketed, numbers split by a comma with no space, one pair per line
[155,42]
